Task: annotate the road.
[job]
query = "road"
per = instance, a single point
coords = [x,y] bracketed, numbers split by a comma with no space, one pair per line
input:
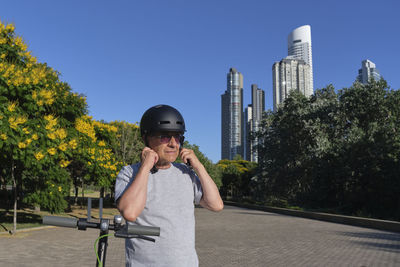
[233,237]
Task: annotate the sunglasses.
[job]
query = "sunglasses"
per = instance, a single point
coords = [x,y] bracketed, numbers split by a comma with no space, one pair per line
[165,138]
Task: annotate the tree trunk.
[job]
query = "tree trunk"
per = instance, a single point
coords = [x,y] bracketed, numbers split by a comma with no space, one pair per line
[83,193]
[76,195]
[14,231]
[102,192]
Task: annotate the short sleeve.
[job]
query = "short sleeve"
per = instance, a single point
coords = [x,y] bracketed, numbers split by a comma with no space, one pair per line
[197,189]
[124,178]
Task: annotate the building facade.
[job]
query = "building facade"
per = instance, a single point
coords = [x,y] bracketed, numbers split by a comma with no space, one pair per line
[253,117]
[299,46]
[248,122]
[367,72]
[231,116]
[288,75]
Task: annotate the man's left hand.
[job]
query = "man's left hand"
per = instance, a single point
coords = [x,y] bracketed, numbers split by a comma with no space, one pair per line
[188,155]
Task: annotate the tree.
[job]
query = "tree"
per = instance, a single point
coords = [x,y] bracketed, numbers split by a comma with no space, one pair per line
[211,168]
[236,176]
[335,151]
[36,114]
[94,162]
[129,143]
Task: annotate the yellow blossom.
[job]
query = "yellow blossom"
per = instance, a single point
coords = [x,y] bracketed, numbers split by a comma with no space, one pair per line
[11,106]
[49,101]
[21,145]
[28,141]
[102,143]
[64,163]
[61,133]
[21,120]
[15,121]
[73,143]
[10,28]
[3,136]
[35,137]
[85,127]
[25,130]
[51,135]
[52,151]
[59,189]
[62,146]
[39,155]
[49,117]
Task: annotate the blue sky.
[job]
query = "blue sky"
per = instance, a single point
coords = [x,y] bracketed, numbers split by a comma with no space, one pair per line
[127,56]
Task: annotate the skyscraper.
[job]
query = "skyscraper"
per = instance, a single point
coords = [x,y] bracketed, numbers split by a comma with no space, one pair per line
[367,72]
[248,122]
[231,116]
[299,46]
[288,75]
[253,116]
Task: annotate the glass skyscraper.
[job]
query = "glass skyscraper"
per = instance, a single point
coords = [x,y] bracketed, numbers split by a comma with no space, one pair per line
[231,116]
[367,72]
[295,72]
[299,46]
[288,75]
[253,117]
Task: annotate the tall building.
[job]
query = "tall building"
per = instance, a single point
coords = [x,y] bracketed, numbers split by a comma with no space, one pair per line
[288,75]
[299,46]
[367,72]
[231,116]
[248,122]
[253,117]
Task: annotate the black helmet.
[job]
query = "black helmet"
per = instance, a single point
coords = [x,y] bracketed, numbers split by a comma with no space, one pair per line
[161,118]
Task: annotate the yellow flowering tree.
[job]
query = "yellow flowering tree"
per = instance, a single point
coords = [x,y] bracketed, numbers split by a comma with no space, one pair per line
[94,160]
[236,177]
[37,115]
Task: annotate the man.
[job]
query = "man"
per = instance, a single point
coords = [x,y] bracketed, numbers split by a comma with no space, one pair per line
[159,192]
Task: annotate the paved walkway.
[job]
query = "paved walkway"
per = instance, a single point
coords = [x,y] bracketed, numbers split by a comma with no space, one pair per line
[233,237]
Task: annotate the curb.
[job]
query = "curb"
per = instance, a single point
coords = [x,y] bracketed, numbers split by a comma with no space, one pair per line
[28,229]
[392,226]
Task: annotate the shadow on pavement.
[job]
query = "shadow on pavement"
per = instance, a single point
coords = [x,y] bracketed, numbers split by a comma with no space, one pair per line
[384,241]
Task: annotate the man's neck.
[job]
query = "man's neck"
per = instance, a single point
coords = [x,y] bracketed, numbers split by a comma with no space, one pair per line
[163,165]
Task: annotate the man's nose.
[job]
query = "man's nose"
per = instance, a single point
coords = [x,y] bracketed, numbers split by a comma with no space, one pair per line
[172,141]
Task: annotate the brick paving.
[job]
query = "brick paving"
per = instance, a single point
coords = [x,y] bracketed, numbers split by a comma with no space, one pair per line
[233,237]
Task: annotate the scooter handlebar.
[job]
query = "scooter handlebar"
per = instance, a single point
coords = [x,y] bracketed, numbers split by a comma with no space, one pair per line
[60,221]
[143,230]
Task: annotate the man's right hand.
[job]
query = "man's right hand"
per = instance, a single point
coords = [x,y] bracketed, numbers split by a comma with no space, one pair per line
[149,157]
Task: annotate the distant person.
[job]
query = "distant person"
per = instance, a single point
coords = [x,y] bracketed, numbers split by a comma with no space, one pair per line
[159,192]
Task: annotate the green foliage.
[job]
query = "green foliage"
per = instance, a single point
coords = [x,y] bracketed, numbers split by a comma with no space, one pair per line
[335,150]
[211,168]
[236,177]
[50,190]
[129,144]
[37,113]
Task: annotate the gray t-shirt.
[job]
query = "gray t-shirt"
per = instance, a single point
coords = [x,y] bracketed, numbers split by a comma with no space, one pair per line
[171,194]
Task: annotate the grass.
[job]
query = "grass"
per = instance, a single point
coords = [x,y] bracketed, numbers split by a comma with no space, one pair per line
[87,192]
[28,218]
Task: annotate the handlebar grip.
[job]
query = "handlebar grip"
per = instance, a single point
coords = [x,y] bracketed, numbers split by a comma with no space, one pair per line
[143,230]
[60,221]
